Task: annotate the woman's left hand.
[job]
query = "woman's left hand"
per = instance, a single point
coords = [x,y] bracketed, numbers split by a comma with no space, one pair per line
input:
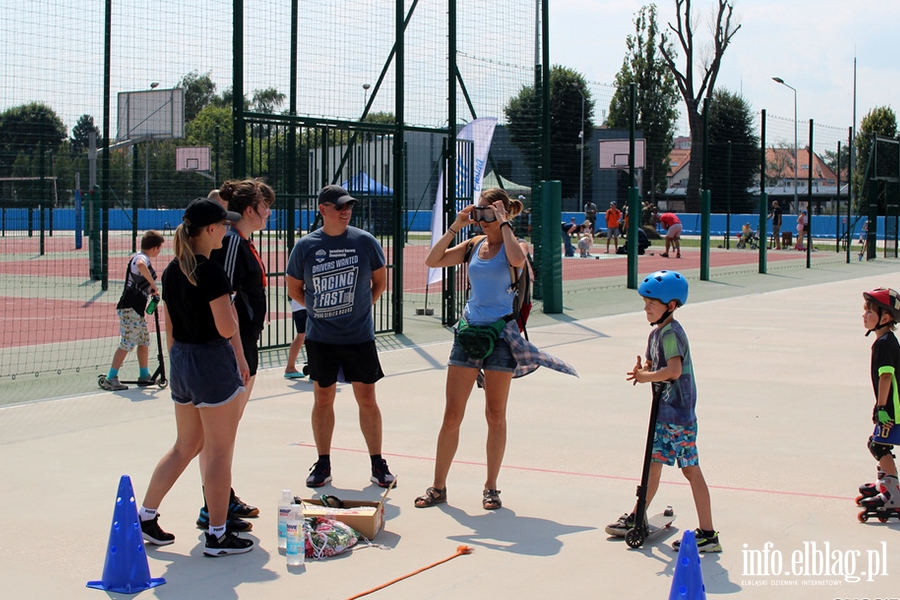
[499,211]
[244,369]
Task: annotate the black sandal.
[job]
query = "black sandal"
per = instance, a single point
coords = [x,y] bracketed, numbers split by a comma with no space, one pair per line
[431,497]
[491,500]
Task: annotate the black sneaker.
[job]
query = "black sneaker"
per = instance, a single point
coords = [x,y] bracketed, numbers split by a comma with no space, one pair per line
[229,543]
[621,527]
[153,533]
[704,543]
[233,525]
[381,475]
[238,509]
[319,474]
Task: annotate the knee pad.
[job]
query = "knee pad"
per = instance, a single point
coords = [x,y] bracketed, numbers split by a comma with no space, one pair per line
[880,450]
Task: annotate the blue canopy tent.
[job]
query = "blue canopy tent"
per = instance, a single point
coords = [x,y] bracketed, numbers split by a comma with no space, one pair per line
[362,184]
[375,213]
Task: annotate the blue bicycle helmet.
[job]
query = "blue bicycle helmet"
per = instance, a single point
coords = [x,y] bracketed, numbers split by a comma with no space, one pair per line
[665,286]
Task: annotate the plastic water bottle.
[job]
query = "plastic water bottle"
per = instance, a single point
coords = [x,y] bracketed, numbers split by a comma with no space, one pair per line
[296,544]
[151,306]
[285,511]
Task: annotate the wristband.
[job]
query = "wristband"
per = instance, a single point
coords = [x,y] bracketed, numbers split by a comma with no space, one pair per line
[450,230]
[507,223]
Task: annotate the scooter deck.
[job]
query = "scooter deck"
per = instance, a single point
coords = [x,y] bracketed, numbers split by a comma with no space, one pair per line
[657,522]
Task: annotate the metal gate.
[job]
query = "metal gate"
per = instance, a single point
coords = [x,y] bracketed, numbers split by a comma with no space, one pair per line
[297,157]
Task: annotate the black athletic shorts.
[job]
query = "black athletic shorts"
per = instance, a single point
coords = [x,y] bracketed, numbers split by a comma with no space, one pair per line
[250,344]
[355,362]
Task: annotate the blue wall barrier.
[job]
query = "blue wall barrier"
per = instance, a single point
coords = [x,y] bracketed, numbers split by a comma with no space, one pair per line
[64,219]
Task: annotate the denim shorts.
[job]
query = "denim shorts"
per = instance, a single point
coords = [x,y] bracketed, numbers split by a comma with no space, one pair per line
[673,443]
[204,374]
[500,359]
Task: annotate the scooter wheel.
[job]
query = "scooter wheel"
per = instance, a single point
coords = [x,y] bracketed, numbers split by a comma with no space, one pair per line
[863,516]
[162,382]
[634,537]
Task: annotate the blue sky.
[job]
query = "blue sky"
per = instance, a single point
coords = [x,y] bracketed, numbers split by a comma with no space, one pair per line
[53,51]
[810,44]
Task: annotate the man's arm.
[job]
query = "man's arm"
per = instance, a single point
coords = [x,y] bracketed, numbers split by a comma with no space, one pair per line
[379,283]
[296,290]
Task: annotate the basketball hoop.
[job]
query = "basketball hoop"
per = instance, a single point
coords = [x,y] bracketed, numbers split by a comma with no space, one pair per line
[193,159]
[614,154]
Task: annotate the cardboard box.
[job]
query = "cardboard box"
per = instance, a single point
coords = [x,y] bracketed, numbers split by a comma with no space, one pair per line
[364,516]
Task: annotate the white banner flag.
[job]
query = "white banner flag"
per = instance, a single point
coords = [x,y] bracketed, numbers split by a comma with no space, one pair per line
[481,132]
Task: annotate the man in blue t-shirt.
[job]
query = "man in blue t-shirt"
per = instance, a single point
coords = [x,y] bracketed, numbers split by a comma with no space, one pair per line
[338,272]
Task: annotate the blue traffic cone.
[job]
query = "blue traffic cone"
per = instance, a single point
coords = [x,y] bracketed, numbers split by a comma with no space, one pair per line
[688,581]
[126,569]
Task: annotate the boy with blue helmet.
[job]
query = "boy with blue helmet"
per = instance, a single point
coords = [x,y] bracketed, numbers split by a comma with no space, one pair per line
[668,361]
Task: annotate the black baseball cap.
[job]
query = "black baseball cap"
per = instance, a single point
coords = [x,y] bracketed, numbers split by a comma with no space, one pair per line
[202,212]
[335,194]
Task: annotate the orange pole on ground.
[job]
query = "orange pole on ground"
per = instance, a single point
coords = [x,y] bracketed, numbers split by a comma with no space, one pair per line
[459,552]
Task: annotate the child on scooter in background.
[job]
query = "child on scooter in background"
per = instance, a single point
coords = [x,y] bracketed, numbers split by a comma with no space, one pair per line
[881,312]
[140,285]
[668,361]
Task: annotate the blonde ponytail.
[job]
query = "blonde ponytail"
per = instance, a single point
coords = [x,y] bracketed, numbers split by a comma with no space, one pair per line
[184,253]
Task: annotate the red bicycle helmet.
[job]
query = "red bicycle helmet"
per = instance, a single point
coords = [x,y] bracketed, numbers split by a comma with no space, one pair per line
[886,299]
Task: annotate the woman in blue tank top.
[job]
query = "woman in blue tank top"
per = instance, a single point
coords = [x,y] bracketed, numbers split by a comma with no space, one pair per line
[489,258]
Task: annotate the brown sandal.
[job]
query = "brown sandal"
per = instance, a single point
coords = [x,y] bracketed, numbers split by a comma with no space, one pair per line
[491,500]
[431,497]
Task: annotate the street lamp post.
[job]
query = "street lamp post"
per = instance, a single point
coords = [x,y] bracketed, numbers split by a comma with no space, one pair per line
[153,86]
[796,160]
[581,138]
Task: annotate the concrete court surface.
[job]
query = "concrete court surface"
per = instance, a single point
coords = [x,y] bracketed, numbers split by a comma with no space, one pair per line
[784,407]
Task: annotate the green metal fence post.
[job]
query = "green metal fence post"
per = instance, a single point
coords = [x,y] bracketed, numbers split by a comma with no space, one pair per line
[633,207]
[872,233]
[239,144]
[763,197]
[551,262]
[809,208]
[399,162]
[705,200]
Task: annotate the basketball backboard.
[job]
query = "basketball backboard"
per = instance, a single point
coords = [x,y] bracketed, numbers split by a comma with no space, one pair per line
[192,158]
[614,154]
[150,114]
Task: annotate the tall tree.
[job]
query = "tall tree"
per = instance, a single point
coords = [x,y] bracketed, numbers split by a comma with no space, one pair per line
[879,122]
[199,92]
[568,89]
[657,98]
[25,129]
[267,101]
[731,132]
[709,60]
[202,132]
[81,133]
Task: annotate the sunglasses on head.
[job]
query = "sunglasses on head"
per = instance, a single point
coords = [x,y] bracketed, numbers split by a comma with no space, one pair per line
[484,214]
